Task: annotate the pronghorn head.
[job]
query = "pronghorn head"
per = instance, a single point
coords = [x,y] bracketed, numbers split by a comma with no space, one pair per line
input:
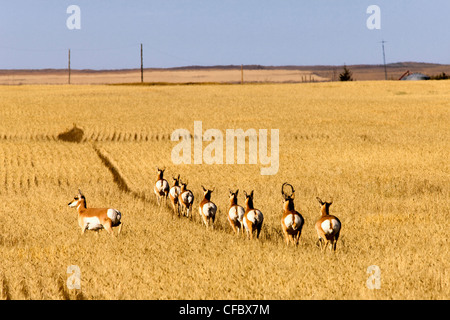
[249,199]
[234,196]
[176,181]
[288,195]
[183,185]
[160,173]
[207,193]
[325,205]
[77,200]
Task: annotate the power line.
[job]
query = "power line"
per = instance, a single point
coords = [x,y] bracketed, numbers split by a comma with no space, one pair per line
[384,59]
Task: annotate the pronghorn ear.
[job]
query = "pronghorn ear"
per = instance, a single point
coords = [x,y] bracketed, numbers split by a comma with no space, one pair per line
[213,189]
[237,191]
[320,201]
[79,192]
[204,189]
[245,194]
[293,196]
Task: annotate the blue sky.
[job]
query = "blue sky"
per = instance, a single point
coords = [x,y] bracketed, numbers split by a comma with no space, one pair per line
[33,33]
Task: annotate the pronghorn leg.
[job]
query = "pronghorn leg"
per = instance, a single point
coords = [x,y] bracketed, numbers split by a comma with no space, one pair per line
[120,228]
[319,243]
[286,237]
[297,238]
[108,228]
[233,226]
[258,231]
[84,229]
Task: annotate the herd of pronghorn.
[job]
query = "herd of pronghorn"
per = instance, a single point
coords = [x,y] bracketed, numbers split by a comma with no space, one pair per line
[240,218]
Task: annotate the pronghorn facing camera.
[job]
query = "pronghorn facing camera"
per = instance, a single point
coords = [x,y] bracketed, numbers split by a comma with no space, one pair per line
[186,199]
[235,213]
[161,187]
[328,227]
[291,221]
[95,218]
[253,218]
[207,208]
[174,192]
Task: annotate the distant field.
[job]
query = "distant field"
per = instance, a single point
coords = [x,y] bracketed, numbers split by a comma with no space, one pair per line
[379,149]
[220,74]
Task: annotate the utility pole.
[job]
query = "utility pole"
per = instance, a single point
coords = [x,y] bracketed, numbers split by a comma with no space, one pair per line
[69,66]
[142,65]
[384,60]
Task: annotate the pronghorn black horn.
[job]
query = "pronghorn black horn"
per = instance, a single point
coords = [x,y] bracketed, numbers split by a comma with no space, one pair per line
[292,190]
[282,188]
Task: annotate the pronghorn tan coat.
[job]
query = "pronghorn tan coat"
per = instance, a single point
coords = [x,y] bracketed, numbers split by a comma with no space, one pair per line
[291,222]
[174,193]
[328,227]
[253,218]
[161,187]
[95,218]
[235,213]
[207,208]
[186,199]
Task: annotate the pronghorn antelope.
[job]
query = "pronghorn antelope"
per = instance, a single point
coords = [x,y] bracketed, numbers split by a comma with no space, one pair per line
[207,208]
[161,187]
[235,213]
[291,221]
[95,218]
[253,218]
[186,199]
[174,193]
[327,227]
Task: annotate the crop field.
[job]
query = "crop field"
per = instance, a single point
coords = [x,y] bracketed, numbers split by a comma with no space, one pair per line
[380,150]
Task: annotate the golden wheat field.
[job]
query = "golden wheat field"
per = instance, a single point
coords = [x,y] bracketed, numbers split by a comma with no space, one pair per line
[380,150]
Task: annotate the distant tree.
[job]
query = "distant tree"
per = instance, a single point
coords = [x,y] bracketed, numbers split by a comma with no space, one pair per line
[441,76]
[346,75]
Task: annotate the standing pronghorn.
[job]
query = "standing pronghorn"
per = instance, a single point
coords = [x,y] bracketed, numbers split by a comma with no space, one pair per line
[327,227]
[174,194]
[95,218]
[186,199]
[161,187]
[235,213]
[291,221]
[207,208]
[253,218]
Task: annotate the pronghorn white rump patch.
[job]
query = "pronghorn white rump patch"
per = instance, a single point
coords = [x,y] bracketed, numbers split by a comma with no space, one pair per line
[236,213]
[289,221]
[187,197]
[114,215]
[209,209]
[92,223]
[175,191]
[254,216]
[330,225]
[162,185]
